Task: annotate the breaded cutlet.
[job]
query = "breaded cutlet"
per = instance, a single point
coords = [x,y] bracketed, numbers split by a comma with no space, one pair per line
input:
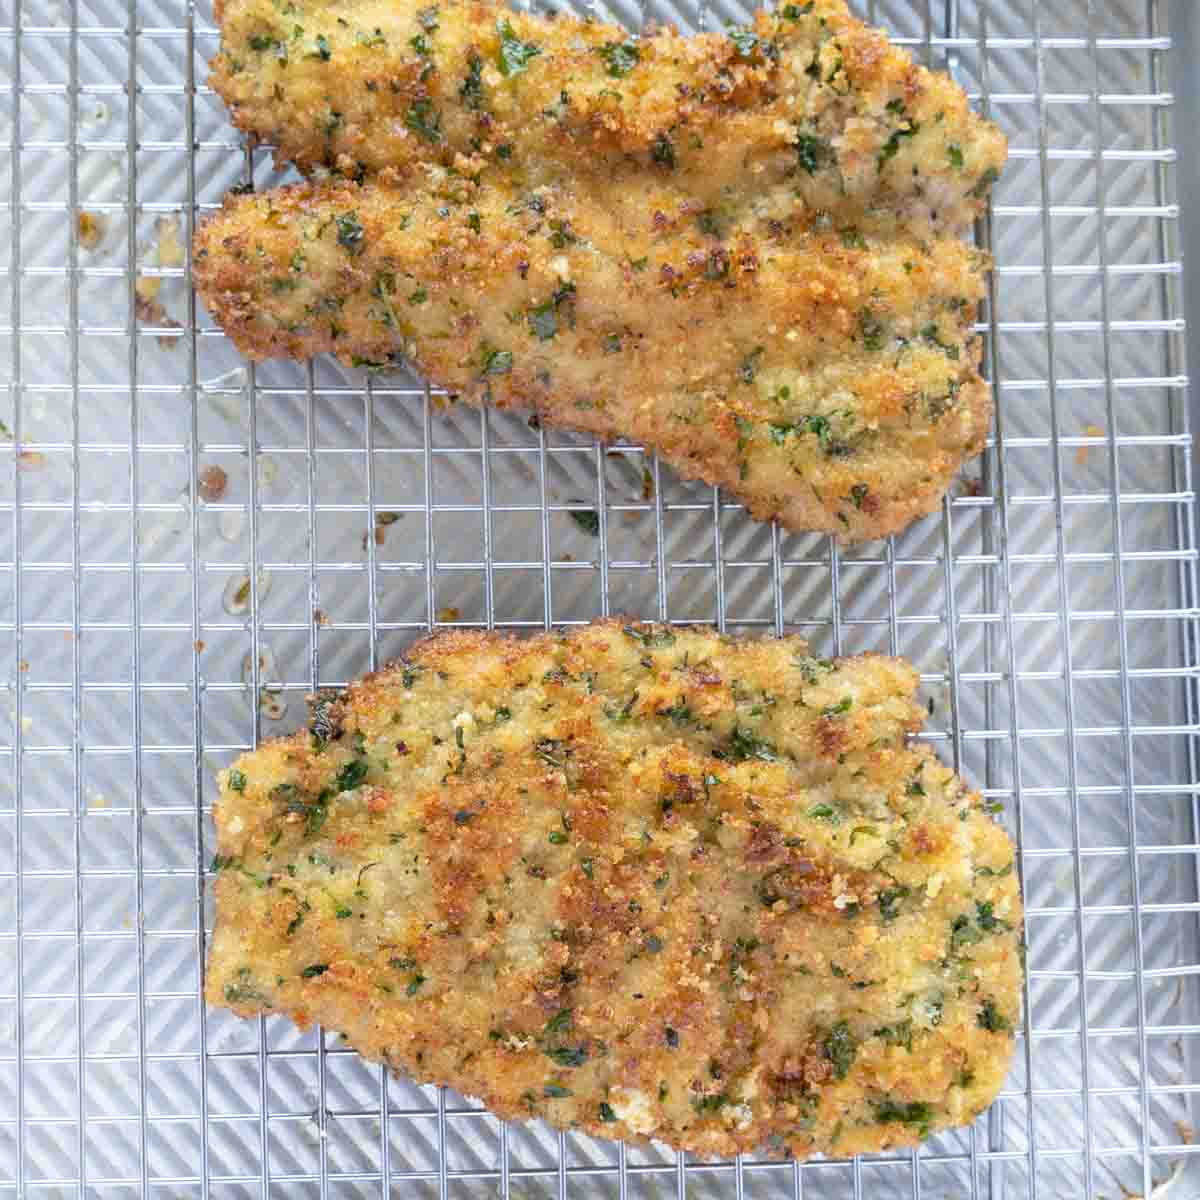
[641,882]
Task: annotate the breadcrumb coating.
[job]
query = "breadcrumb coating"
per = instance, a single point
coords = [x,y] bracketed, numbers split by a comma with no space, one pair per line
[738,248]
[805,103]
[641,882]
[824,377]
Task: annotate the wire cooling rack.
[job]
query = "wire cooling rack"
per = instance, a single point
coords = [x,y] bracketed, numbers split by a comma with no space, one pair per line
[154,626]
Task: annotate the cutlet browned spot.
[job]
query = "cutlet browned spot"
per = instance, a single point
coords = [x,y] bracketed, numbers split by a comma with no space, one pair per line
[804,108]
[827,378]
[610,878]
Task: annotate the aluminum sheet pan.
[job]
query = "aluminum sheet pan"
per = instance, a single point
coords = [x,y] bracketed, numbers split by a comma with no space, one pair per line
[1051,608]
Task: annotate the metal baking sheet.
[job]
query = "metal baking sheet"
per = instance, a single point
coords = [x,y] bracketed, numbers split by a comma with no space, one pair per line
[1051,607]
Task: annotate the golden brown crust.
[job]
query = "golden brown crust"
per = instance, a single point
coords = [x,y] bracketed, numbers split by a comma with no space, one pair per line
[825,377]
[731,247]
[640,882]
[805,108]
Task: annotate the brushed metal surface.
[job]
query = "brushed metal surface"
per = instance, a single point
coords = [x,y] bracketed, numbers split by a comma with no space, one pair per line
[1051,608]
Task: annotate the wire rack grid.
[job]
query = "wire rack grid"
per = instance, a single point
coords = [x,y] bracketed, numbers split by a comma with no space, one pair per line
[156,626]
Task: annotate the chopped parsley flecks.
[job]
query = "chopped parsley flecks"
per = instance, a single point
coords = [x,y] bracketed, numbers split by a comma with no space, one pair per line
[663,151]
[425,121]
[515,55]
[985,182]
[858,495]
[991,1019]
[567,1056]
[650,638]
[559,1023]
[744,744]
[891,147]
[840,1048]
[816,424]
[889,902]
[871,329]
[470,92]
[350,234]
[351,775]
[745,41]
[497,362]
[245,990]
[749,366]
[813,152]
[544,318]
[620,57]
[588,519]
[963,933]
[916,1112]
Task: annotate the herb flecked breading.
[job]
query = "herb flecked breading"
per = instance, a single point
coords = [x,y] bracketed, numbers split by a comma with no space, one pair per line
[739,248]
[642,882]
[805,101]
[829,382]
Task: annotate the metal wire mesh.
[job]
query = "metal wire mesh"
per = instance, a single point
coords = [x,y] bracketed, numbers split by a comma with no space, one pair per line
[153,632]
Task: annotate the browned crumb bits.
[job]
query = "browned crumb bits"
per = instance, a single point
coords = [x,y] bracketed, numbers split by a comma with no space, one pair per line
[91,227]
[213,482]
